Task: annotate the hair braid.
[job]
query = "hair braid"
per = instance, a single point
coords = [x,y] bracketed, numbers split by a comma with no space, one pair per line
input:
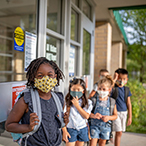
[35,64]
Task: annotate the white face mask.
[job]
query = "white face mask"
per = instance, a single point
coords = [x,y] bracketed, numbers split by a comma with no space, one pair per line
[103,94]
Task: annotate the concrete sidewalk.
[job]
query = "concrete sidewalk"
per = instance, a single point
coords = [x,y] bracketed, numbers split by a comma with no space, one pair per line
[128,139]
[132,139]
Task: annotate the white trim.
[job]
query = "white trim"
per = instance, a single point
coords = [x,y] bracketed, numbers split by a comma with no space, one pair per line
[42,28]
[7,55]
[6,72]
[5,37]
[55,34]
[78,10]
[75,43]
[109,38]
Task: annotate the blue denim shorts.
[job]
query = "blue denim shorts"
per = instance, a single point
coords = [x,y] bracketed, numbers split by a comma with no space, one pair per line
[100,131]
[81,135]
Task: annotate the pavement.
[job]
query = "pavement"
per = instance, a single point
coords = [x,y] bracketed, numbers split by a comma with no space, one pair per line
[128,139]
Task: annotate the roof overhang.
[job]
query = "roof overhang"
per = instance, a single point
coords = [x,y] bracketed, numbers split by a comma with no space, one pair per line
[104,12]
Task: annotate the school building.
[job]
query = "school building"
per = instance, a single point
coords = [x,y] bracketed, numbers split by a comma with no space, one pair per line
[81,36]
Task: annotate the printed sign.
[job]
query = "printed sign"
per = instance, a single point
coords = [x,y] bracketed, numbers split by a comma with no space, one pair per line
[16,89]
[19,39]
[30,48]
[71,60]
[51,52]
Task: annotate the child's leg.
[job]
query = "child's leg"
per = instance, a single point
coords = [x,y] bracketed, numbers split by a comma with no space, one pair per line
[70,143]
[102,142]
[118,136]
[79,143]
[93,142]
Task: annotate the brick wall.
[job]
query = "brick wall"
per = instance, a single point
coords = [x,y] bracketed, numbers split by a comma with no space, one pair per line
[116,56]
[102,50]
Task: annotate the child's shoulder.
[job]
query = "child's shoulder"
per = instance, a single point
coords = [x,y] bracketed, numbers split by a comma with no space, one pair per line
[89,101]
[26,94]
[61,97]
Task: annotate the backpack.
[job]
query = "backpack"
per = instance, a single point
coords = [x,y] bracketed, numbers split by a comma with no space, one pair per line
[94,99]
[17,137]
[115,91]
[114,96]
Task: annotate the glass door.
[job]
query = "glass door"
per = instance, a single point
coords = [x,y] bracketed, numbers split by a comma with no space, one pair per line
[87,45]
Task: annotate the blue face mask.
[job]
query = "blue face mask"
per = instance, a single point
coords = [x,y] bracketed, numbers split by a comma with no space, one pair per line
[79,94]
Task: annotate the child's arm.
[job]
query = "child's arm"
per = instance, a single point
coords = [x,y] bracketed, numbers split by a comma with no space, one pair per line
[92,94]
[65,134]
[83,113]
[95,116]
[12,122]
[129,107]
[113,117]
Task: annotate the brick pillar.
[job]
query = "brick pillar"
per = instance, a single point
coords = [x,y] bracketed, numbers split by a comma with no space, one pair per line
[102,50]
[124,56]
[116,56]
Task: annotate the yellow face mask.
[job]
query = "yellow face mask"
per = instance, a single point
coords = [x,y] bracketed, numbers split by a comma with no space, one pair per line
[45,84]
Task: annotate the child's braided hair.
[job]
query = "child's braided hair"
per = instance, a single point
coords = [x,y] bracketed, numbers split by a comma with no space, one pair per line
[35,64]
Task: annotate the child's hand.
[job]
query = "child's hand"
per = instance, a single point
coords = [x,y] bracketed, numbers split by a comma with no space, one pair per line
[75,101]
[65,135]
[33,121]
[66,118]
[129,121]
[97,116]
[115,77]
[105,118]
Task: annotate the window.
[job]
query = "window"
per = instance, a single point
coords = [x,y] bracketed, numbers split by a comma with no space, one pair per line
[13,14]
[76,2]
[86,9]
[73,60]
[86,52]
[54,15]
[53,49]
[74,25]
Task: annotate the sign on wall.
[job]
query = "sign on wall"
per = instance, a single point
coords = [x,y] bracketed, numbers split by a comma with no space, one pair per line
[16,89]
[51,52]
[71,60]
[19,39]
[30,48]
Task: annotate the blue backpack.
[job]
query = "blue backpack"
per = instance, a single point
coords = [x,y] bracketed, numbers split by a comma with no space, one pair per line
[17,137]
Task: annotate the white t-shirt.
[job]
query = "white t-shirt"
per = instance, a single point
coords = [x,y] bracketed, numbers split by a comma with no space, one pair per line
[76,121]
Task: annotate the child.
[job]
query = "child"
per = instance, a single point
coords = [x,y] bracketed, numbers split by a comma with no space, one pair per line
[123,104]
[102,73]
[48,133]
[80,108]
[104,111]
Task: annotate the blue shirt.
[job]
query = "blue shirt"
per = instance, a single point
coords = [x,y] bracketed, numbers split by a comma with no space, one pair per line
[76,121]
[120,102]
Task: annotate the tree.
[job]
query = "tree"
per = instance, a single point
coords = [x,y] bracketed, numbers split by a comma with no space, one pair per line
[136,21]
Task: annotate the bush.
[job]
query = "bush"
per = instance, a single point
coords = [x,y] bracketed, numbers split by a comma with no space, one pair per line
[138,101]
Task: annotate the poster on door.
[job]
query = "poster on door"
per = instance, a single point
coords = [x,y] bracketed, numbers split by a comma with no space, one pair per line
[71,61]
[19,39]
[30,48]
[16,89]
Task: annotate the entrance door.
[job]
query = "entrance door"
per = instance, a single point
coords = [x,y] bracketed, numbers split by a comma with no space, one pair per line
[88,52]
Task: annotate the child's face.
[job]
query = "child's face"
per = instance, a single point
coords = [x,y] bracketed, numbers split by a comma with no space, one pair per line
[103,90]
[77,88]
[103,74]
[45,70]
[122,80]
[76,91]
[45,78]
[104,87]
